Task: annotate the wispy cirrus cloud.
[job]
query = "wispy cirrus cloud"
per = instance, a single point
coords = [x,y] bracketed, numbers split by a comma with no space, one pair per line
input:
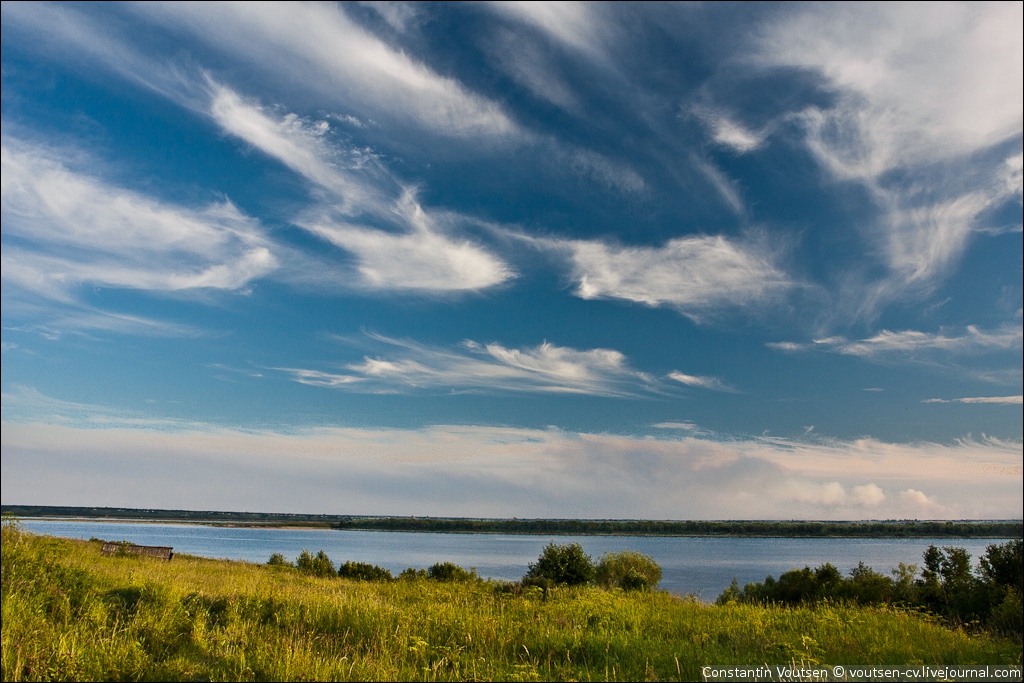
[319,48]
[410,251]
[65,228]
[532,68]
[472,366]
[927,99]
[58,319]
[915,85]
[698,275]
[728,132]
[578,27]
[887,344]
[700,382]
[687,426]
[989,400]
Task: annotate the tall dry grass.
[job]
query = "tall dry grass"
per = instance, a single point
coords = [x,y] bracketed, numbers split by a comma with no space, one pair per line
[71,613]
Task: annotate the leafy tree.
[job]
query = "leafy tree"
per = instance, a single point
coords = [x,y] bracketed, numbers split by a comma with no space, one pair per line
[1002,573]
[449,571]
[277,560]
[411,574]
[1003,565]
[563,564]
[363,571]
[867,586]
[315,565]
[731,594]
[628,570]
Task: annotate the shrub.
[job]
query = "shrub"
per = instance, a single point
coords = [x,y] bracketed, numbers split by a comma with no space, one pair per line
[731,594]
[363,571]
[563,564]
[628,570]
[448,571]
[412,574]
[1008,616]
[277,560]
[318,565]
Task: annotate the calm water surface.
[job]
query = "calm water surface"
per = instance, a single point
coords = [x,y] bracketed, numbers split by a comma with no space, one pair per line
[701,566]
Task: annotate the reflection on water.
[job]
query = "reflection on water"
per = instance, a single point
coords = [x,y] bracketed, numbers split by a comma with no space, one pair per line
[699,566]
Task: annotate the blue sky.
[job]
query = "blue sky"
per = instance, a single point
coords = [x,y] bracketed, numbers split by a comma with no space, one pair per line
[534,260]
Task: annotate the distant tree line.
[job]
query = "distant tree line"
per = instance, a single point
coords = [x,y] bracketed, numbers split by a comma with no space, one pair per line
[946,586]
[887,529]
[796,529]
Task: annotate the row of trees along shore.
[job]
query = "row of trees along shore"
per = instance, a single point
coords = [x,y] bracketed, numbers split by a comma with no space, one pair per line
[809,529]
[946,586]
[558,565]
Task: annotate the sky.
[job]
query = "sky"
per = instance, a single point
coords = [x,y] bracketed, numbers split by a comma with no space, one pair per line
[667,261]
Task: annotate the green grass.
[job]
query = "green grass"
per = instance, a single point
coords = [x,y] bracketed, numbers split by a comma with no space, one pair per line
[71,613]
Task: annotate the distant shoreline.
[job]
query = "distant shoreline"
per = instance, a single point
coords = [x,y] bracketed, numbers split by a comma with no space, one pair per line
[995,529]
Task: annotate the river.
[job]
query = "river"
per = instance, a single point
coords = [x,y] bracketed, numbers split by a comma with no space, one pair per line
[701,566]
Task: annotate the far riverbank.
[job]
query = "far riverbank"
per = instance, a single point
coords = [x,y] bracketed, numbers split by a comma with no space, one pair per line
[995,529]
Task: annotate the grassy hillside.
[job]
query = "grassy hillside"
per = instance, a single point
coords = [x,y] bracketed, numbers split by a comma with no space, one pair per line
[70,613]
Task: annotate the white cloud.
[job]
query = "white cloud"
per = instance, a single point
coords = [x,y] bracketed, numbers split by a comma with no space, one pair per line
[730,133]
[486,367]
[529,65]
[922,241]
[319,48]
[688,426]
[887,344]
[85,40]
[574,25]
[616,176]
[919,501]
[422,260]
[725,186]
[398,15]
[70,229]
[1013,174]
[713,383]
[356,181]
[924,95]
[831,494]
[489,471]
[996,400]
[58,319]
[917,83]
[416,254]
[692,274]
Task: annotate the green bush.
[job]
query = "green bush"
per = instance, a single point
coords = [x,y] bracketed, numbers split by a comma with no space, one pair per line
[449,571]
[412,574]
[277,560]
[363,571]
[1003,565]
[628,570]
[1008,616]
[315,565]
[563,564]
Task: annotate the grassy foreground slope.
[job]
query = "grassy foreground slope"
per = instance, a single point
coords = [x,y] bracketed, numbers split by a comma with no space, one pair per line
[70,613]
